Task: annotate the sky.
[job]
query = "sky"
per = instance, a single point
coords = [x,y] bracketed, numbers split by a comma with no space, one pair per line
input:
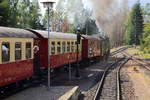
[143,2]
[87,4]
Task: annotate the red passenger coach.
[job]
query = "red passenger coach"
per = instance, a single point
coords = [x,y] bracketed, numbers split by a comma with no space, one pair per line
[91,47]
[62,48]
[16,55]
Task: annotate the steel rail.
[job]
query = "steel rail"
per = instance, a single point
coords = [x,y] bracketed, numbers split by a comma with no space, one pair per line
[119,50]
[118,79]
[138,60]
[100,84]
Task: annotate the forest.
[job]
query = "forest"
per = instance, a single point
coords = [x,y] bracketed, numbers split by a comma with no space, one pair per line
[132,26]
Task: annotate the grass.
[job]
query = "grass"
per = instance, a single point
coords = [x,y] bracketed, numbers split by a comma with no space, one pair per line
[137,52]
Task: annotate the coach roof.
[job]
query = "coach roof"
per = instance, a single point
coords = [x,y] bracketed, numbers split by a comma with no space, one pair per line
[92,37]
[54,35]
[16,32]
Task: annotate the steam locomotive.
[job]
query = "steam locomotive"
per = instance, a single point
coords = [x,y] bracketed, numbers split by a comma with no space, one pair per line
[24,52]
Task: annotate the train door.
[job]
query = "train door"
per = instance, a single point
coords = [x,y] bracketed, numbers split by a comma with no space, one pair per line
[36,60]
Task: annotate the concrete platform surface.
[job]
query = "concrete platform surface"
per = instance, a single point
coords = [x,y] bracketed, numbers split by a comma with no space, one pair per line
[42,93]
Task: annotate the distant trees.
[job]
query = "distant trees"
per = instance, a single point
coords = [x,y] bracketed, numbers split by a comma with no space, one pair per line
[146,38]
[134,26]
[4,13]
[28,14]
[89,27]
[58,22]
[146,9]
[20,13]
[145,46]
[75,15]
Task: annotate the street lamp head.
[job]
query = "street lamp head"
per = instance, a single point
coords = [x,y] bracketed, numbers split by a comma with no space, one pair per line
[48,3]
[78,29]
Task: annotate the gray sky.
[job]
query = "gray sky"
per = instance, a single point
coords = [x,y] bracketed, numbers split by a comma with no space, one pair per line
[88,5]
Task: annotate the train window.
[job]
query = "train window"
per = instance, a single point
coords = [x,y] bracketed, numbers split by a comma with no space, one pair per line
[53,48]
[18,51]
[63,47]
[72,46]
[58,48]
[28,50]
[5,52]
[68,46]
[75,46]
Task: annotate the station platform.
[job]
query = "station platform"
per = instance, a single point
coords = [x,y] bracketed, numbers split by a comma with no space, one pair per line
[42,93]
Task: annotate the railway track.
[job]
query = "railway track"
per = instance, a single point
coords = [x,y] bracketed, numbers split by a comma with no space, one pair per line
[13,90]
[119,50]
[109,86]
[138,60]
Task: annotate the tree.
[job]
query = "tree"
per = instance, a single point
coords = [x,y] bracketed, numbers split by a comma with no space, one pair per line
[28,14]
[4,13]
[74,11]
[90,27]
[146,9]
[23,13]
[35,16]
[13,13]
[146,38]
[134,25]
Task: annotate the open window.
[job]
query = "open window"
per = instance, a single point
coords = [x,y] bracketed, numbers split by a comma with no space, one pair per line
[72,46]
[58,48]
[5,52]
[68,46]
[28,50]
[53,48]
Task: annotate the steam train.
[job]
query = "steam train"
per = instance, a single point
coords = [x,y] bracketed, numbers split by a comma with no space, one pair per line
[24,52]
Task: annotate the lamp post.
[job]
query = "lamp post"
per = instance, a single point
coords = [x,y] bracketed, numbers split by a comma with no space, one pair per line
[77,74]
[49,5]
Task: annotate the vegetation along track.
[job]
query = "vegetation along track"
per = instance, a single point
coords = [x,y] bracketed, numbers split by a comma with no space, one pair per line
[138,60]
[109,86]
[119,50]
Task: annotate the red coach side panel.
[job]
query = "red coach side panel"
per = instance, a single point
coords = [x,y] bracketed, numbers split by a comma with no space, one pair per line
[15,71]
[84,49]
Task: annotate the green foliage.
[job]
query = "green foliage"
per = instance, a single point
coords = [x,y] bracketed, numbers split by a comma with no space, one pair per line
[35,16]
[128,31]
[13,13]
[20,13]
[146,9]
[89,27]
[146,38]
[4,12]
[28,14]
[134,26]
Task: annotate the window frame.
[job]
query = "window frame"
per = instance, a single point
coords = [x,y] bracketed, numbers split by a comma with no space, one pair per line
[2,52]
[72,46]
[20,51]
[26,51]
[63,47]
[58,47]
[53,52]
[68,46]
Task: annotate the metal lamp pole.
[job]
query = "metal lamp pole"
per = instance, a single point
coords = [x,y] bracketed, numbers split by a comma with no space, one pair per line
[49,5]
[77,74]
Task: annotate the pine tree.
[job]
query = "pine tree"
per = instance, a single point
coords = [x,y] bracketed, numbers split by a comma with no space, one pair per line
[35,16]
[134,25]
[137,23]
